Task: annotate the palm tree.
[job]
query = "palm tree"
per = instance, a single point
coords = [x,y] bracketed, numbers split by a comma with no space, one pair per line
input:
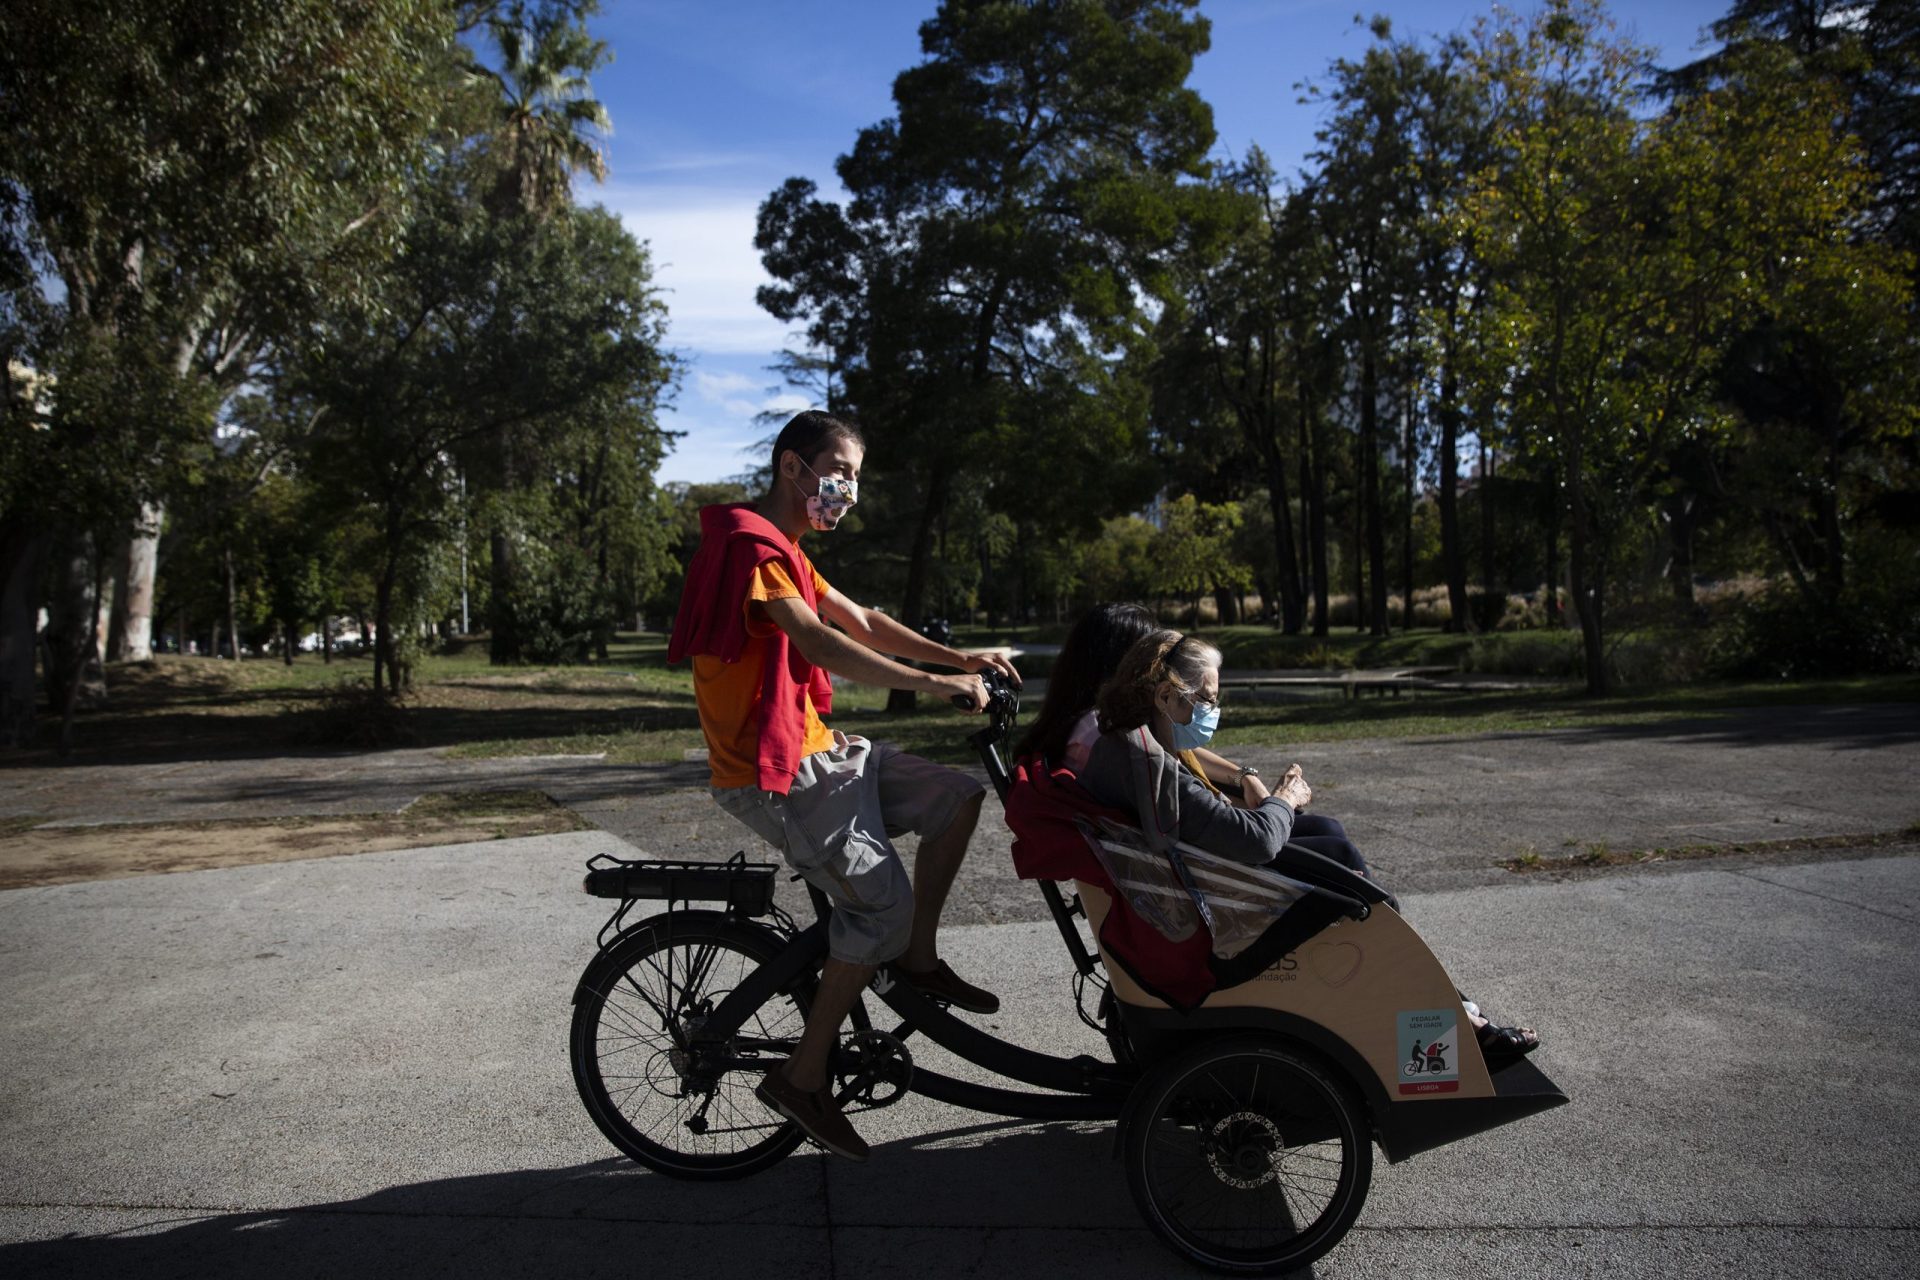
[549,125]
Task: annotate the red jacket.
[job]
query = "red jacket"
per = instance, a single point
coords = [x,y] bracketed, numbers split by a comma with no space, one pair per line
[1046,808]
[1042,807]
[735,540]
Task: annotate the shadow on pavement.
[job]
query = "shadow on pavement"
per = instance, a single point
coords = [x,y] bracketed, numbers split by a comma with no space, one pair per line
[1053,1189]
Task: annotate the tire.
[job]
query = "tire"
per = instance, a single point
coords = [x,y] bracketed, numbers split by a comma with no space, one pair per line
[1247,1155]
[629,1021]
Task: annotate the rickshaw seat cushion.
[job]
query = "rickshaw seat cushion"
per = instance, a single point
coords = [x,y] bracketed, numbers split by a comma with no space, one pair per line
[1044,808]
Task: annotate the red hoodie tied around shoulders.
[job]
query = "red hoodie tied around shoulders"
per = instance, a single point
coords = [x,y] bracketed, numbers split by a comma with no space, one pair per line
[735,540]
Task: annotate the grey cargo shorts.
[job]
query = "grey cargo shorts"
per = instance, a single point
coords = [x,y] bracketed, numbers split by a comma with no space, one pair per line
[833,827]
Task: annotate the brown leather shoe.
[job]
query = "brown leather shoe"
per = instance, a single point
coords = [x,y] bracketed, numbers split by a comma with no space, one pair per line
[942,983]
[815,1112]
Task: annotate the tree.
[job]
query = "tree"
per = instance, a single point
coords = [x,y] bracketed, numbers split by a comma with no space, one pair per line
[1192,554]
[547,123]
[1821,377]
[1242,348]
[188,174]
[543,126]
[1625,252]
[466,342]
[991,266]
[1368,210]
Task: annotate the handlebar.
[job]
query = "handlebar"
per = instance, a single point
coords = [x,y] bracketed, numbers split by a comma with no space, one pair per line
[1003,699]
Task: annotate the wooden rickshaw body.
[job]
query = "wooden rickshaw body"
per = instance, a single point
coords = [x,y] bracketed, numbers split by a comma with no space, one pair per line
[1343,993]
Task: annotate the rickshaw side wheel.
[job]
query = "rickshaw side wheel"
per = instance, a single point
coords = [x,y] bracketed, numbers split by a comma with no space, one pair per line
[1247,1155]
[647,1095]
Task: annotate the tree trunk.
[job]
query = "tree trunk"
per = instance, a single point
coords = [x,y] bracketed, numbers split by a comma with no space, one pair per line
[1586,584]
[913,600]
[133,608]
[1406,528]
[1313,511]
[503,641]
[75,675]
[23,558]
[1359,565]
[1371,515]
[106,590]
[383,663]
[291,630]
[233,606]
[1227,602]
[1680,521]
[1550,607]
[1452,555]
[1833,560]
[1292,607]
[326,639]
[1486,524]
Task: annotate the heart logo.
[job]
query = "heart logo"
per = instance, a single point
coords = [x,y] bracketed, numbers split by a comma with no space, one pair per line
[1334,963]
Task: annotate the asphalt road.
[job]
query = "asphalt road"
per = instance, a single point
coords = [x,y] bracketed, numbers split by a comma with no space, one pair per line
[358,1066]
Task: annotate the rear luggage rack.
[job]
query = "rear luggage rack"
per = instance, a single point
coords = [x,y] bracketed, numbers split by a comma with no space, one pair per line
[745,887]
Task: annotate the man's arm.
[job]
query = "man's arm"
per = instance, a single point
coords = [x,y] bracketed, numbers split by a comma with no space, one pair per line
[845,657]
[882,634]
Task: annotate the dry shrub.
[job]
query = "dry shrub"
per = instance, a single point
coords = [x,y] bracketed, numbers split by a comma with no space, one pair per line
[351,714]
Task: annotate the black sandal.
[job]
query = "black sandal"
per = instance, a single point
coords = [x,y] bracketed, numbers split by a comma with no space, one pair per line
[1502,1046]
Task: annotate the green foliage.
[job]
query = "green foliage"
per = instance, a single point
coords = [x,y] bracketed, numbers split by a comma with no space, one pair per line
[496,341]
[980,288]
[1192,553]
[1626,251]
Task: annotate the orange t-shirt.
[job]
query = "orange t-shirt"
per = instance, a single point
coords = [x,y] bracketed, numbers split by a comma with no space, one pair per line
[728,693]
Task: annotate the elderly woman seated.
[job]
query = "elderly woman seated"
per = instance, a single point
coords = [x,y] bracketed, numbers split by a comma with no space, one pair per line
[1142,749]
[1067,726]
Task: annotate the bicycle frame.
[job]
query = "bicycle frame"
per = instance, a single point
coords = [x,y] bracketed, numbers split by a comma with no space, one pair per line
[1080,1088]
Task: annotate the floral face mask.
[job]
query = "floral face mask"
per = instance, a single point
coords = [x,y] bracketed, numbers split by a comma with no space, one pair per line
[835,498]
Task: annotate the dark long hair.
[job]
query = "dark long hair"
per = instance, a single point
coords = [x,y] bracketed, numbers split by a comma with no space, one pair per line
[1099,639]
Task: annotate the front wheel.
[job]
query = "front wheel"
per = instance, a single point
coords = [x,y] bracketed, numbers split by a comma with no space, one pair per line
[685,1114]
[1247,1156]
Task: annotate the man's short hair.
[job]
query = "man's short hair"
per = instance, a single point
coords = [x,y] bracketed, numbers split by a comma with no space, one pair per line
[811,431]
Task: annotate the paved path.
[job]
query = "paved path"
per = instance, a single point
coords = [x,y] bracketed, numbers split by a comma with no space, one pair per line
[356,1066]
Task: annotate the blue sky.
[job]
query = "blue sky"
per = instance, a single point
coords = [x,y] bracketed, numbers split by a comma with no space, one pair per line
[717,102]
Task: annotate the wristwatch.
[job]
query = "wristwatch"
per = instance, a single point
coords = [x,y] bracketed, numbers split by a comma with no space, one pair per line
[1246,771]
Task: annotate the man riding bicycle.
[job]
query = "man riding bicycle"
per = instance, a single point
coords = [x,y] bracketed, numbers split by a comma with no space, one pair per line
[753,617]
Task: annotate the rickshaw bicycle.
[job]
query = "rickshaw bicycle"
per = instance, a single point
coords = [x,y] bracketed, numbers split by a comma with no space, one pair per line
[1246,1124]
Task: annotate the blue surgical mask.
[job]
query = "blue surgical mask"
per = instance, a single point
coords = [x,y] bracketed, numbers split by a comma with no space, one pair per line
[1197,732]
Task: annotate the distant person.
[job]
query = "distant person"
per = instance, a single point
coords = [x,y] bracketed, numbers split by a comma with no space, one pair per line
[753,617]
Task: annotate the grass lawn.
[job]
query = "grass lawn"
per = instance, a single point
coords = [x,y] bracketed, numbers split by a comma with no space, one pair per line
[633,708]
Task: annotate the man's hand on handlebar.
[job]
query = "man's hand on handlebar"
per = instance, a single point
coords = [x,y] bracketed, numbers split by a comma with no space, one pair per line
[977,662]
[968,692]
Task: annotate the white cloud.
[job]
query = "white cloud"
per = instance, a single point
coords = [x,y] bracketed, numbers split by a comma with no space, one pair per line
[718,386]
[704,260]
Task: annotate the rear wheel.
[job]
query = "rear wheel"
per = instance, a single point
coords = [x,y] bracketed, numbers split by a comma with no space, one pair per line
[684,1113]
[1247,1156]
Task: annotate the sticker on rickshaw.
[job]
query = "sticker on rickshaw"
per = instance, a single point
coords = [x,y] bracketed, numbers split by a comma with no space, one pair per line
[1429,1040]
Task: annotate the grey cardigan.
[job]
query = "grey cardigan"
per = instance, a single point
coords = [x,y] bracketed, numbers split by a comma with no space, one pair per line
[1129,769]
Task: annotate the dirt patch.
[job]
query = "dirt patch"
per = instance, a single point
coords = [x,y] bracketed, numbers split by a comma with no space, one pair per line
[68,854]
[1602,857]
